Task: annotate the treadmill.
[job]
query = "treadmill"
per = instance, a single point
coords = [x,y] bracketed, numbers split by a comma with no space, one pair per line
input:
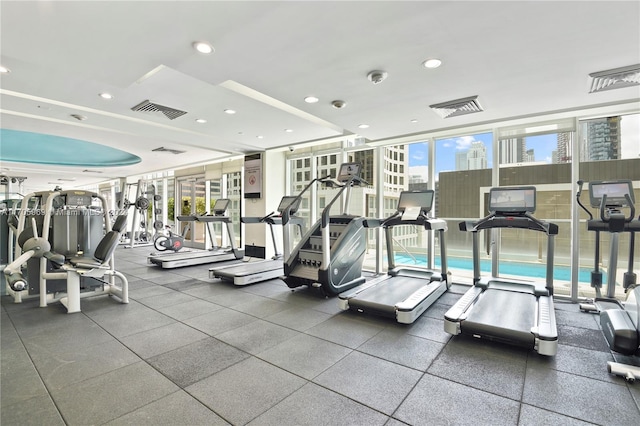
[253,272]
[513,311]
[406,291]
[200,257]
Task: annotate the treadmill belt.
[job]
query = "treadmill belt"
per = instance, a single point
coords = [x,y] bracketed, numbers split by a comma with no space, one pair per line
[249,268]
[384,296]
[503,315]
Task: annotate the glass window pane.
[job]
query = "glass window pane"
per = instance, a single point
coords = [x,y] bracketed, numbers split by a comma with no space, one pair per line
[463,166]
[610,150]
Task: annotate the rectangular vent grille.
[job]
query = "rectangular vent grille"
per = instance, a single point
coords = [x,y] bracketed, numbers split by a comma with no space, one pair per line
[172,151]
[462,106]
[615,79]
[151,107]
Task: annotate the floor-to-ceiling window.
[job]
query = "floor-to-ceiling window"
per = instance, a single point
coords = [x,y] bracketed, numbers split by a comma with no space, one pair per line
[462,167]
[609,149]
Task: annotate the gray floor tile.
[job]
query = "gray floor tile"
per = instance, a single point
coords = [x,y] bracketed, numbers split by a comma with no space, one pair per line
[271,288]
[36,411]
[579,361]
[436,401]
[65,337]
[244,391]
[484,365]
[575,318]
[186,284]
[112,394]
[328,408]
[345,330]
[19,379]
[371,381]
[582,337]
[262,307]
[305,355]
[219,321]
[533,416]
[298,318]
[191,363]
[186,310]
[401,348]
[149,291]
[167,278]
[429,328]
[574,396]
[130,319]
[64,367]
[176,409]
[257,336]
[162,339]
[232,299]
[164,300]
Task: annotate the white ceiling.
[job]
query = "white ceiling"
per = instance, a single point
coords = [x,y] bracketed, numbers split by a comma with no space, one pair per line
[519,58]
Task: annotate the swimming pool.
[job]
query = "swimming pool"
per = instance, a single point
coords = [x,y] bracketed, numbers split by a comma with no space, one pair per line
[524,269]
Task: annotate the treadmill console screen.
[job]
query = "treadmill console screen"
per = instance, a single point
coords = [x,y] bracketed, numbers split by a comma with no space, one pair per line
[286,201]
[615,192]
[422,199]
[512,200]
[220,206]
[347,170]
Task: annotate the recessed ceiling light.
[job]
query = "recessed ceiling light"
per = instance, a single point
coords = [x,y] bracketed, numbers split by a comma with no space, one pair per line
[363,126]
[288,130]
[338,104]
[201,120]
[4,70]
[414,121]
[230,111]
[260,137]
[311,99]
[105,95]
[432,63]
[203,47]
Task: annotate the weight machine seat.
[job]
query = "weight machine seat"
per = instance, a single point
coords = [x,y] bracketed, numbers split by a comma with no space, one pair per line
[105,249]
[120,223]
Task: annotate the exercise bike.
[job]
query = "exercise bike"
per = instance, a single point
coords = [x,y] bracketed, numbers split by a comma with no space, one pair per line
[170,240]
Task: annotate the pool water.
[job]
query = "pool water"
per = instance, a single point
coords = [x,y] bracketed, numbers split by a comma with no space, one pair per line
[524,269]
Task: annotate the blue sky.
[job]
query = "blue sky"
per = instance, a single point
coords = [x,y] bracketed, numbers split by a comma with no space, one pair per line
[542,145]
[446,150]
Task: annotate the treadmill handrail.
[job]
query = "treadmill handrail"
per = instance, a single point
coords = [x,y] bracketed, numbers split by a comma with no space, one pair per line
[495,220]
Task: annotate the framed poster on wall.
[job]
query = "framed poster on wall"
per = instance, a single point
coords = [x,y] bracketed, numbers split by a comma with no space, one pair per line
[253,176]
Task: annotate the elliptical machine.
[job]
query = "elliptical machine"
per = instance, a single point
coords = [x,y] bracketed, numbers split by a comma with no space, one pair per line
[620,322]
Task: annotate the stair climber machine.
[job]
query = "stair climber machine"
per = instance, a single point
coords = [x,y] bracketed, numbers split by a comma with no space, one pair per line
[254,272]
[518,312]
[620,322]
[329,256]
[406,291]
[212,255]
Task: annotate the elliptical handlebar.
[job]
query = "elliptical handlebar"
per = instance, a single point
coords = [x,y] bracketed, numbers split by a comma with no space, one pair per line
[580,183]
[605,214]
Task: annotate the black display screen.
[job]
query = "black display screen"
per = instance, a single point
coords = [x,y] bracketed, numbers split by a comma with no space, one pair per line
[615,192]
[512,200]
[422,199]
[286,201]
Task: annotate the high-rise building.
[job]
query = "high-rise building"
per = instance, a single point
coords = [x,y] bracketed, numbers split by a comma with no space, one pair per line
[601,139]
[477,156]
[565,148]
[461,160]
[512,150]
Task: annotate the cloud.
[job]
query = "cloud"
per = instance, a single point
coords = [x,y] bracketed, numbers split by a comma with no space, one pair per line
[464,142]
[446,145]
[419,171]
[419,155]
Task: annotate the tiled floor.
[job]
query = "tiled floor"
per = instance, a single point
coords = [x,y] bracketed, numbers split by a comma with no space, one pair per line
[189,350]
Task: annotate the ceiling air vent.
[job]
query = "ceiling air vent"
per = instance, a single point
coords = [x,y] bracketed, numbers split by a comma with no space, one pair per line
[173,151]
[615,79]
[458,107]
[148,106]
